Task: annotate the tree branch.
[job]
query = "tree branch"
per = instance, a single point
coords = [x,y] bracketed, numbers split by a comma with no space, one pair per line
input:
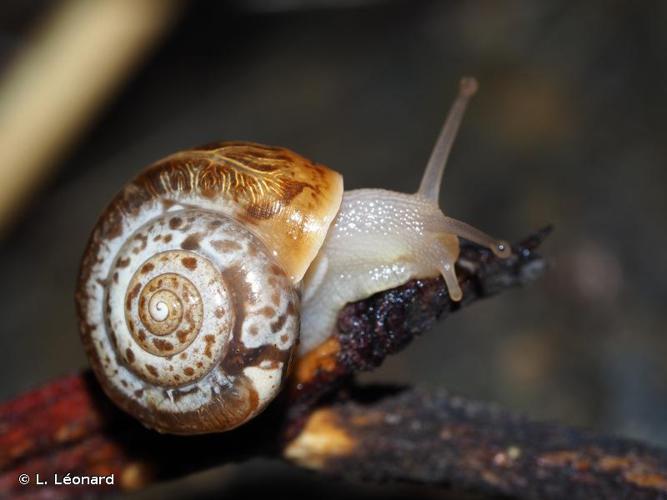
[70,426]
[433,438]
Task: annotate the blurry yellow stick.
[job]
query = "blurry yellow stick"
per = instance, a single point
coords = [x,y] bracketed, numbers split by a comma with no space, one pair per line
[81,54]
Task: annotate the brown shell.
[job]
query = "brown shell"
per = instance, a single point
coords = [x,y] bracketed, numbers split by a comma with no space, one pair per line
[285,199]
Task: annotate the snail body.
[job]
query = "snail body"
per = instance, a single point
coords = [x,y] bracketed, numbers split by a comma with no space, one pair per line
[216,267]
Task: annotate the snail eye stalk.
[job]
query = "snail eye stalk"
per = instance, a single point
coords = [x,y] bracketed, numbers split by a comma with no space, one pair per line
[432,180]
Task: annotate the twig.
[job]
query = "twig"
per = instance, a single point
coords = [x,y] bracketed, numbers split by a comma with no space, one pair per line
[432,438]
[69,426]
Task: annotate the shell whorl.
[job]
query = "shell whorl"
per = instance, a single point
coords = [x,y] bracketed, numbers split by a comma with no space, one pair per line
[187,312]
[173,340]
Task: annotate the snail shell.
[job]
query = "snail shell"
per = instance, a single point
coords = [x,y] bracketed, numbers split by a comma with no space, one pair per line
[188,298]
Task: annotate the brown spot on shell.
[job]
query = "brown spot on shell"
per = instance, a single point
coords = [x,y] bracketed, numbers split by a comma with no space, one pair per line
[167,238]
[188,371]
[129,355]
[175,222]
[241,357]
[223,246]
[279,323]
[152,370]
[123,262]
[235,275]
[144,242]
[163,345]
[147,268]
[167,204]
[267,311]
[139,393]
[276,270]
[191,242]
[132,295]
[210,340]
[219,312]
[182,336]
[189,262]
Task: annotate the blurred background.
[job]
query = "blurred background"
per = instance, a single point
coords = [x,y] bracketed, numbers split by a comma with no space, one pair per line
[568,128]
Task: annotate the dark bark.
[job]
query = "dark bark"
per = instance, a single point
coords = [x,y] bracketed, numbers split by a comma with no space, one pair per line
[433,438]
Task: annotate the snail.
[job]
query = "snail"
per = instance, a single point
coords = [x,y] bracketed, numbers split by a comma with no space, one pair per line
[216,267]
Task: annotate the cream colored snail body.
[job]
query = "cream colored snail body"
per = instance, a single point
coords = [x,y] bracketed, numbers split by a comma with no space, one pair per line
[217,266]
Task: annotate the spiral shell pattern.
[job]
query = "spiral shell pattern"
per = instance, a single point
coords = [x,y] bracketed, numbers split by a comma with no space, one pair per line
[199,323]
[187,297]
[164,314]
